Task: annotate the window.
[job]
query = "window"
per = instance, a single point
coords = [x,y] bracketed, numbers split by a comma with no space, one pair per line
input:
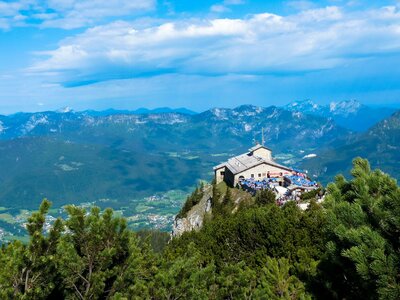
[259,174]
[252,175]
[222,173]
[264,174]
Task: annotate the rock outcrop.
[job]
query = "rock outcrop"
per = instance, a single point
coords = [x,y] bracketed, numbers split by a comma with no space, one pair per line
[195,217]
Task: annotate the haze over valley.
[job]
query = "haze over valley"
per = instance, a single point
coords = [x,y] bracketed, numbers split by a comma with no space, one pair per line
[144,163]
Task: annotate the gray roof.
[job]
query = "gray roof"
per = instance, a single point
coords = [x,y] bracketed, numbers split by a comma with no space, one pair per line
[258,146]
[246,161]
[220,166]
[243,162]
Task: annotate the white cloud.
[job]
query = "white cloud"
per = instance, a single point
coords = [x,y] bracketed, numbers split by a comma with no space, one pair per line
[69,14]
[224,6]
[219,8]
[10,13]
[8,9]
[330,13]
[79,13]
[260,44]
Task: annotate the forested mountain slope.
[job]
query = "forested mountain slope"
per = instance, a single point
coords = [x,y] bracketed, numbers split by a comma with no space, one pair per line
[380,145]
[70,155]
[346,249]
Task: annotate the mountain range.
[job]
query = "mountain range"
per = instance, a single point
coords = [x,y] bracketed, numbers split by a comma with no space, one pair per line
[380,145]
[69,155]
[349,114]
[139,111]
[145,163]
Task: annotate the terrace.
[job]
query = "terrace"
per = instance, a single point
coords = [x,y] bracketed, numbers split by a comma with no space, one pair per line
[286,187]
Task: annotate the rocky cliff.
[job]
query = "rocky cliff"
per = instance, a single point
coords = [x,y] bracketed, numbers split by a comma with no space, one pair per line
[195,217]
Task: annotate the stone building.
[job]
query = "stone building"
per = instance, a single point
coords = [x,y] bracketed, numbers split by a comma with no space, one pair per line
[257,164]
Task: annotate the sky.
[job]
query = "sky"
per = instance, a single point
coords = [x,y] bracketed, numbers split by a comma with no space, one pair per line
[126,54]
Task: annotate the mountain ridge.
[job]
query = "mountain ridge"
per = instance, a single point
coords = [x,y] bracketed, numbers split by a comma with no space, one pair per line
[139,150]
[380,145]
[350,114]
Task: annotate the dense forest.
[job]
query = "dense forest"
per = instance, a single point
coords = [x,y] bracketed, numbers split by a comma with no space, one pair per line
[346,248]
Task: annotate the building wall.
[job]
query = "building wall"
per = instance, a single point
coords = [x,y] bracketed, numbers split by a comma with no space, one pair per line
[262,170]
[264,153]
[219,174]
[229,178]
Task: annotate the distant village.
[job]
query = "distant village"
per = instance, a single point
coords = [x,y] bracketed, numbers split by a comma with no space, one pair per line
[256,170]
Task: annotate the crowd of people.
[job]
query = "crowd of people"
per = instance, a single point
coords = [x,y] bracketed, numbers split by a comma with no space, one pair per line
[276,184]
[252,185]
[300,179]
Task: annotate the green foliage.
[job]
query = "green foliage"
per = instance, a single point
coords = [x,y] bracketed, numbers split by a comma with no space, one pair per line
[191,201]
[227,200]
[363,255]
[265,197]
[30,270]
[278,283]
[224,200]
[216,195]
[186,277]
[253,233]
[236,281]
[157,239]
[311,194]
[348,249]
[88,256]
[216,202]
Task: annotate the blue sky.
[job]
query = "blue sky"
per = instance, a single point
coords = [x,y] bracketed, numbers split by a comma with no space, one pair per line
[198,54]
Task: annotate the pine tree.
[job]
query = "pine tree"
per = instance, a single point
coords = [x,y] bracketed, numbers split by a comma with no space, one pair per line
[276,282]
[29,271]
[265,197]
[90,256]
[363,235]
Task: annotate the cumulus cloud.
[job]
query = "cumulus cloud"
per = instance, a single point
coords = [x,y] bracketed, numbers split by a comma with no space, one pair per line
[259,44]
[219,8]
[79,13]
[67,14]
[224,6]
[8,9]
[10,13]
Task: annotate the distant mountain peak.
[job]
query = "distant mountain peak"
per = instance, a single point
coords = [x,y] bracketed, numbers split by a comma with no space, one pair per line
[301,103]
[64,110]
[345,107]
[305,106]
[249,109]
[141,111]
[242,111]
[340,107]
[350,114]
[219,113]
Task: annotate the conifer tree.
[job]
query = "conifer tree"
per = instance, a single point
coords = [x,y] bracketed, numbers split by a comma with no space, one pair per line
[29,271]
[265,197]
[363,235]
[91,255]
